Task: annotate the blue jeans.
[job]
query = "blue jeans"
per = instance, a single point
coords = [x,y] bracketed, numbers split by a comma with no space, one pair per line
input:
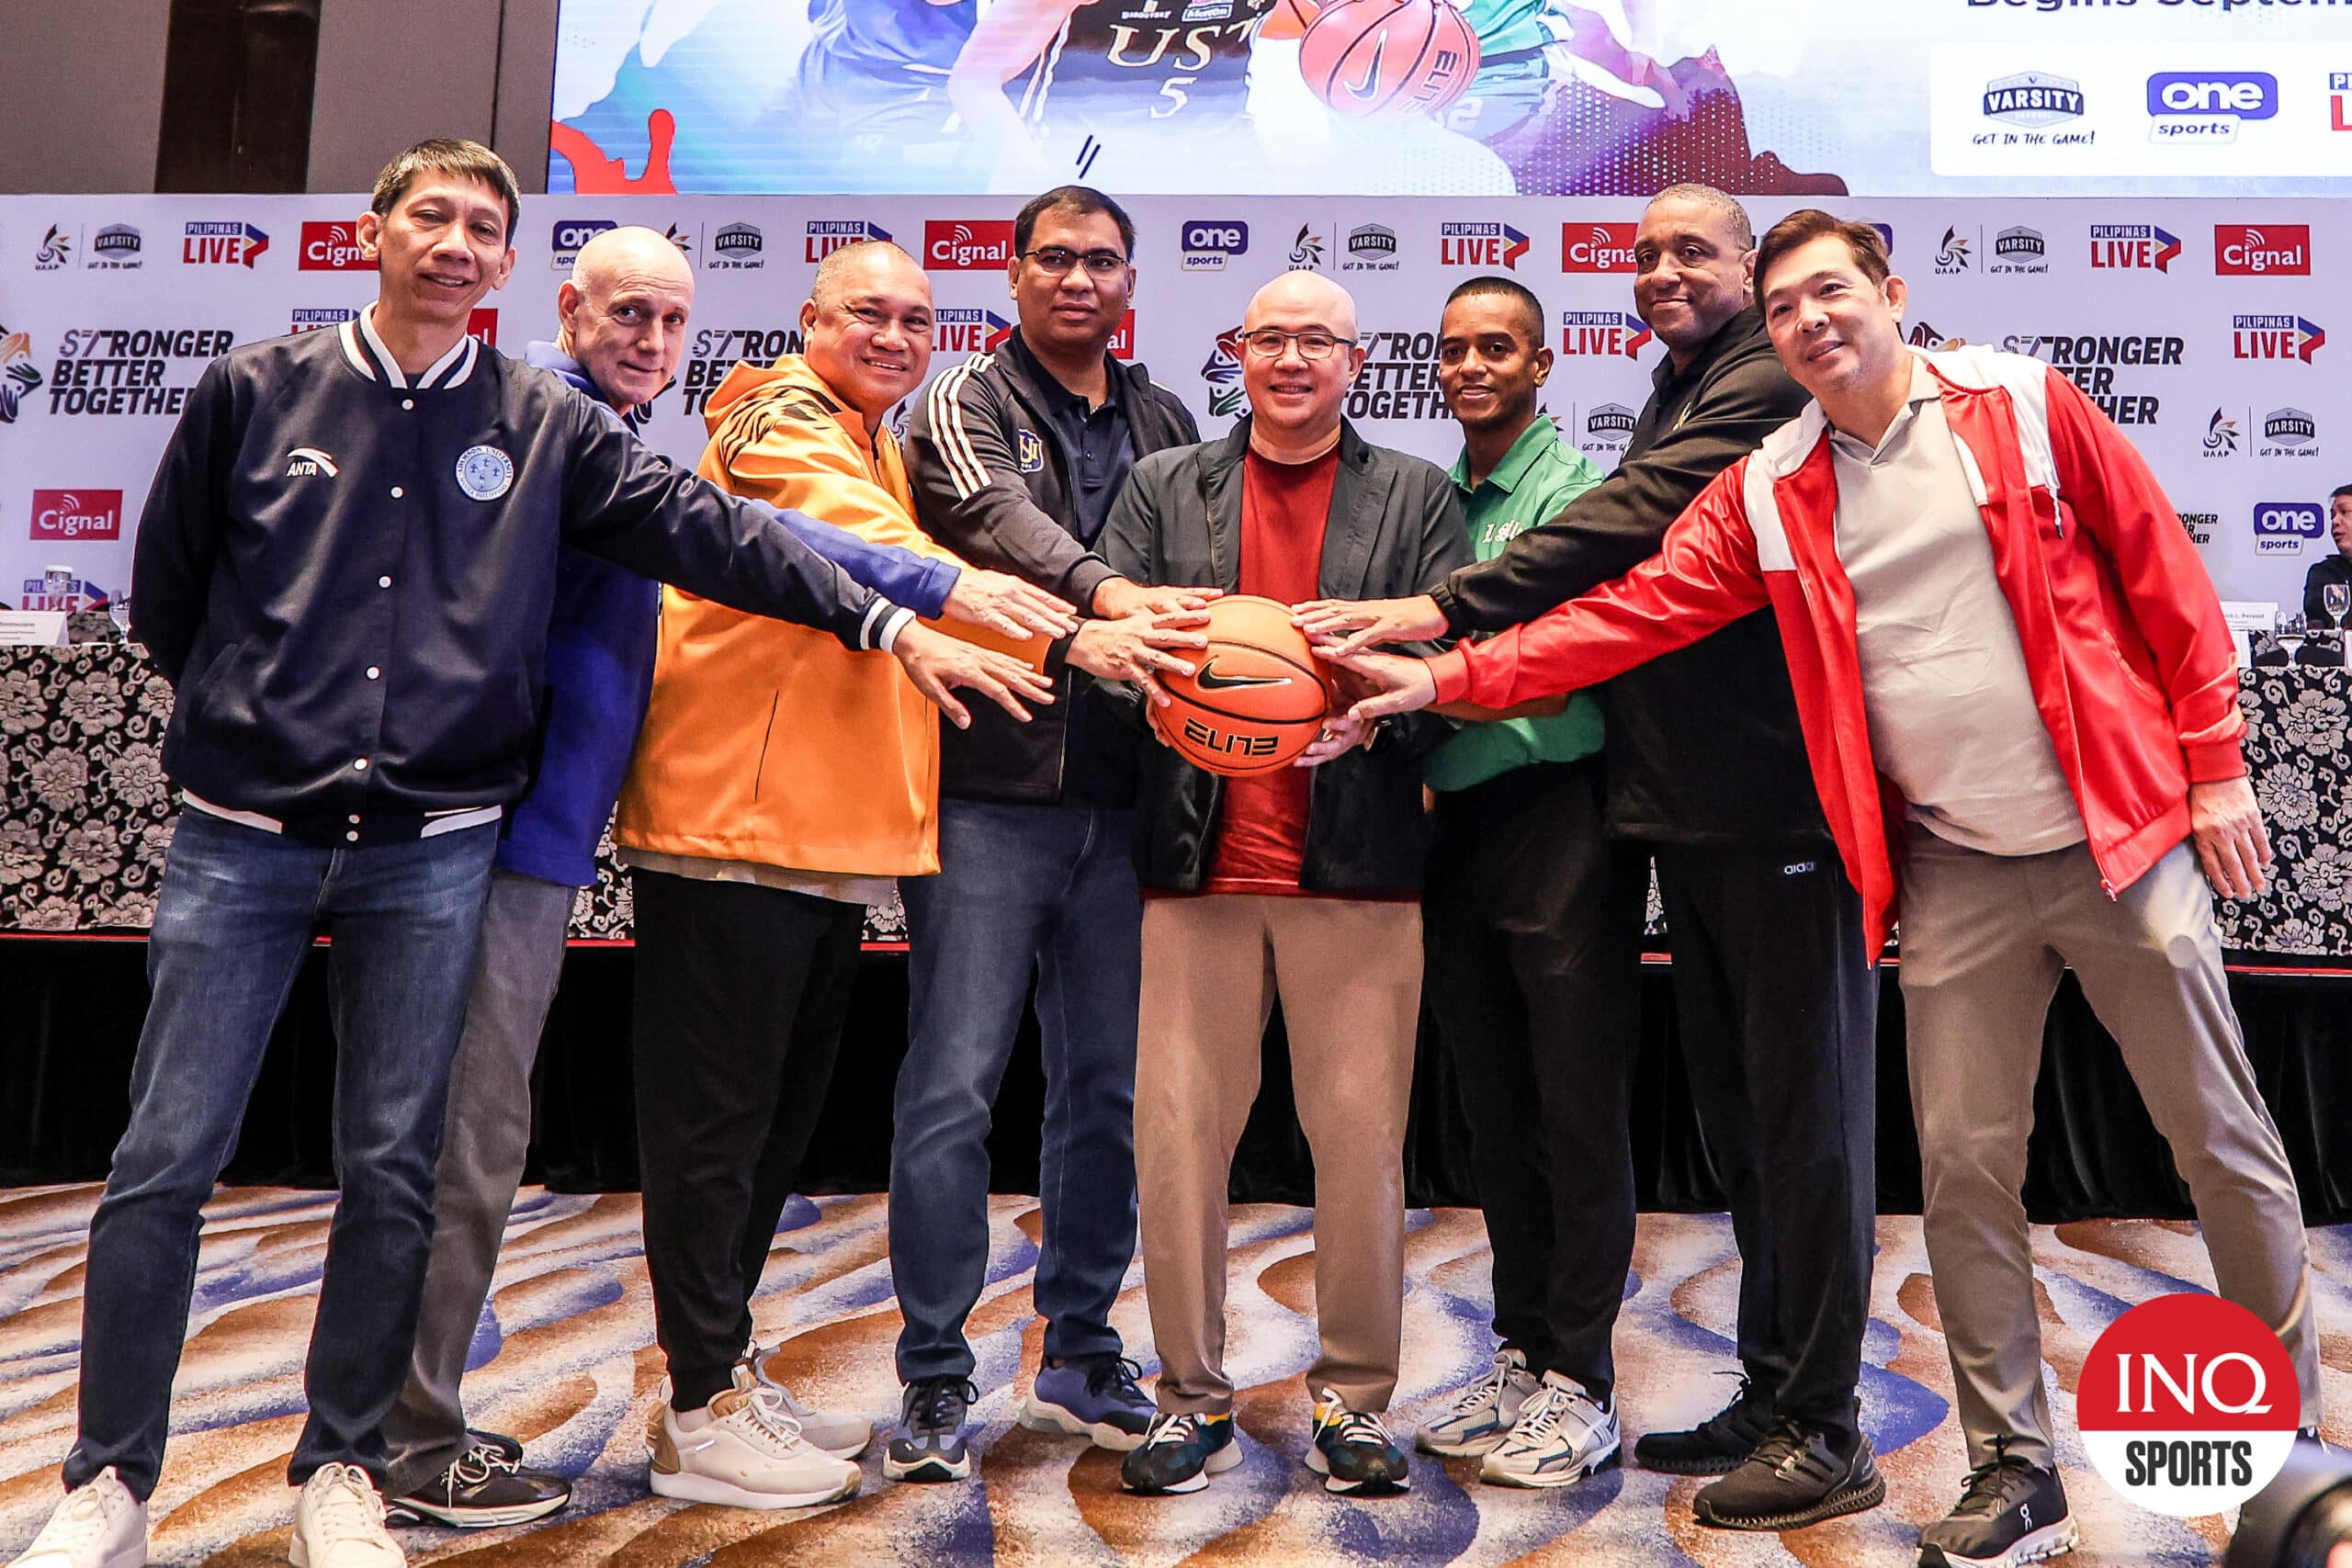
[233,918]
[1022,889]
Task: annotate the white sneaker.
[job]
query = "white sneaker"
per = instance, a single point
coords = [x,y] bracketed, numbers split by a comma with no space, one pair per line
[750,1455]
[1483,1413]
[99,1525]
[1562,1436]
[339,1523]
[843,1436]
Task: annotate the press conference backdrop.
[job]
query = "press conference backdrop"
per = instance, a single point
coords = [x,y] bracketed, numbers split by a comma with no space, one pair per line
[2202,326]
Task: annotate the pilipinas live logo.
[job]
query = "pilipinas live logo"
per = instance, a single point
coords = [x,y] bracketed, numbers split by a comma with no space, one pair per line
[1602,333]
[2132,246]
[2188,1405]
[826,235]
[1597,247]
[1480,245]
[956,329]
[2274,337]
[222,244]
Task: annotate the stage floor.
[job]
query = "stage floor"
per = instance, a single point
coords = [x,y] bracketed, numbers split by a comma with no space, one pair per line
[565,1360]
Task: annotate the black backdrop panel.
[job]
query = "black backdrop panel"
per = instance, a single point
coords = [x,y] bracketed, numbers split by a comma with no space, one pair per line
[72,1010]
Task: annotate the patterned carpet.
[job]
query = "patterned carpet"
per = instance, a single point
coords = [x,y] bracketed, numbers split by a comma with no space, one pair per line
[565,1360]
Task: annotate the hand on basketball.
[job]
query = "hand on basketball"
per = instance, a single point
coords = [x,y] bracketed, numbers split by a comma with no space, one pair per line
[1005,603]
[936,663]
[1136,648]
[1342,731]
[1351,625]
[1380,684]
[2232,844]
[1118,598]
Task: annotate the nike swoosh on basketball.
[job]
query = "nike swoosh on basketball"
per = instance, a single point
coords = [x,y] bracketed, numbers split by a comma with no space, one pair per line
[1370,86]
[1208,680]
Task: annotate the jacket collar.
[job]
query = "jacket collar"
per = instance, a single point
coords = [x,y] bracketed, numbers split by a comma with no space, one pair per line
[1540,433]
[1348,535]
[368,356]
[1730,337]
[1956,376]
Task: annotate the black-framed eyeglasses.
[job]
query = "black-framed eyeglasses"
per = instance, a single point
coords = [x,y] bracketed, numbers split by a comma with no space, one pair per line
[1267,342]
[1055,261]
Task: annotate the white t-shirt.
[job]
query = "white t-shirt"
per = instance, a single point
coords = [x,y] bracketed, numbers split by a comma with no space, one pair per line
[1944,683]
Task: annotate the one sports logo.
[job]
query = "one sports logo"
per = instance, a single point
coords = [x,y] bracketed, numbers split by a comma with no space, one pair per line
[1208,680]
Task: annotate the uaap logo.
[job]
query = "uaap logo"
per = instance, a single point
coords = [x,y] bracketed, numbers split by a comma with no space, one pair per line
[485,473]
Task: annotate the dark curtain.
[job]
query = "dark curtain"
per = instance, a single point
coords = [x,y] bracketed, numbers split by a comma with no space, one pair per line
[74,1010]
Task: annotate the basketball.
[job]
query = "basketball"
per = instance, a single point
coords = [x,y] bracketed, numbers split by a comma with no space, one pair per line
[1388,59]
[1255,700]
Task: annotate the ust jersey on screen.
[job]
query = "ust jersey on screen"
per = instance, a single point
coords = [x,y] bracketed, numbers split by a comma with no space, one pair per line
[900,46]
[1180,63]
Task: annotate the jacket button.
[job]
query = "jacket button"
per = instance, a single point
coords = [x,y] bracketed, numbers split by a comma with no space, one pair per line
[408,403]
[360,766]
[355,819]
[353,836]
[383,582]
[398,492]
[373,672]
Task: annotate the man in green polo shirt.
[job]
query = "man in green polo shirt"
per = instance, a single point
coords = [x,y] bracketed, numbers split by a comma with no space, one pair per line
[1532,922]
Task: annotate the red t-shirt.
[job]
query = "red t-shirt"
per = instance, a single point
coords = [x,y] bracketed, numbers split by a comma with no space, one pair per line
[1262,840]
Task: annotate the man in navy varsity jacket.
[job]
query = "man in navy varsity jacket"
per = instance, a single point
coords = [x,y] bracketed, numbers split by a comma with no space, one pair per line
[346,567]
[624,314]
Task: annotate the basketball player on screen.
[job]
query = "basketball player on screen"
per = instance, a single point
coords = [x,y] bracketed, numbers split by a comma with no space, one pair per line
[1149,81]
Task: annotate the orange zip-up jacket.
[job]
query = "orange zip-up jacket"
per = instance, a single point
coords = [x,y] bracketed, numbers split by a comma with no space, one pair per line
[772,743]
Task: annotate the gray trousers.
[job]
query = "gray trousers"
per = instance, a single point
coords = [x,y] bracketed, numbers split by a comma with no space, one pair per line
[483,1143]
[1984,939]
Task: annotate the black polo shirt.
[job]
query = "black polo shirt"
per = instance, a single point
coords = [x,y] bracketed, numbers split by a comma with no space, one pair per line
[1097,441]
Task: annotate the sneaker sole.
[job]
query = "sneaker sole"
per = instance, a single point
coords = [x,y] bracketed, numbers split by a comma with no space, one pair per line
[1041,1416]
[709,1489]
[1830,1507]
[1609,1461]
[1217,1463]
[1687,1467]
[2050,1541]
[1387,1487]
[928,1468]
[405,1511]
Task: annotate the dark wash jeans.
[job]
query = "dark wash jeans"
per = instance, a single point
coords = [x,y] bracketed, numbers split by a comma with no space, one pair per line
[1022,889]
[236,914]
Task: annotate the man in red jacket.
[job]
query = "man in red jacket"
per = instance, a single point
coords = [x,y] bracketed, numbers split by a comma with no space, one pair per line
[2015,685]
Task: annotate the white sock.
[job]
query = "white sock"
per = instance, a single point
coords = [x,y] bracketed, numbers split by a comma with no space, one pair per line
[690,1420]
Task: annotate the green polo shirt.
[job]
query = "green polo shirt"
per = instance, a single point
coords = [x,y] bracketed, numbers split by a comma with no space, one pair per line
[1538,476]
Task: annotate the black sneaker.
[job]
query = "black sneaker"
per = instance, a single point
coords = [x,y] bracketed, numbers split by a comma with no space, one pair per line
[2012,1512]
[929,1442]
[1179,1453]
[509,1447]
[481,1489]
[1794,1478]
[1716,1446]
[1353,1452]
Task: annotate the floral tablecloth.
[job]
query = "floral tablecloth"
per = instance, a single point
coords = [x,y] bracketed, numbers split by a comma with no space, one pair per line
[85,814]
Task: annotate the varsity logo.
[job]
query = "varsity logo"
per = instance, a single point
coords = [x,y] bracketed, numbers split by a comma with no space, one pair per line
[737,247]
[2018,251]
[2244,250]
[2188,1405]
[2131,245]
[2288,433]
[1611,420]
[115,248]
[77,514]
[304,461]
[1607,333]
[826,235]
[2033,99]
[484,473]
[56,249]
[1372,247]
[335,247]
[1029,453]
[1480,246]
[2274,337]
[967,244]
[222,244]
[1597,247]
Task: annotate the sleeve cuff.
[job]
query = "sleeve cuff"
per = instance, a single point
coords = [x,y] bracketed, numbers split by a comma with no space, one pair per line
[894,621]
[1449,603]
[1083,579]
[2214,761]
[1452,670]
[938,580]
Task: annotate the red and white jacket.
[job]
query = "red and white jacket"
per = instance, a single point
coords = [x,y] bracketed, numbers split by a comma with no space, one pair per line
[2130,659]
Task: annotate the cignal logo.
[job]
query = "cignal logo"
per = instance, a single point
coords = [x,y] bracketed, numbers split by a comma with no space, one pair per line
[826,235]
[964,329]
[1123,338]
[973,244]
[1210,243]
[222,244]
[1597,247]
[2188,1405]
[334,247]
[2189,106]
[2274,337]
[2132,246]
[2264,250]
[1482,246]
[2033,99]
[570,234]
[1609,332]
[2280,528]
[77,514]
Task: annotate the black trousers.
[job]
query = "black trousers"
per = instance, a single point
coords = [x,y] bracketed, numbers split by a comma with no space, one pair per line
[1531,928]
[1776,1004]
[741,992]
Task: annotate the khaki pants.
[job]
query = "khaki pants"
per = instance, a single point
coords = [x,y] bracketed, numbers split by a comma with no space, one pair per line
[1985,938]
[1350,976]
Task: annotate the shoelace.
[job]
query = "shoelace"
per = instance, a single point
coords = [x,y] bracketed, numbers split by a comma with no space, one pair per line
[772,1425]
[1353,1426]
[1113,1374]
[1487,1391]
[1986,1493]
[1171,1429]
[1540,1416]
[1783,1449]
[940,1401]
[79,1521]
[348,1503]
[478,1464]
[1730,1414]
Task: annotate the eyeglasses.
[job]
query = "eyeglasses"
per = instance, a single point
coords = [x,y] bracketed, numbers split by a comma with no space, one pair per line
[1267,342]
[1055,261]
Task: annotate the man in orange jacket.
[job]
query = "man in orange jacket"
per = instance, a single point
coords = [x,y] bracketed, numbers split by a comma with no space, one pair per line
[776,791]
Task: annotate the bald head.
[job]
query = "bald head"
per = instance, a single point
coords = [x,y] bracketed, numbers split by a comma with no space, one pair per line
[1296,396]
[859,262]
[1311,292]
[866,326]
[624,313]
